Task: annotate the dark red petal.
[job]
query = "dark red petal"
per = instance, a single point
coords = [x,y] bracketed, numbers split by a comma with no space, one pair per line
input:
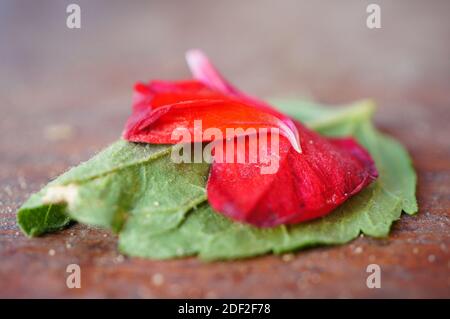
[306,186]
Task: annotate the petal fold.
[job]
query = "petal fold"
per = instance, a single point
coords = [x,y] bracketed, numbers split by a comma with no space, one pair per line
[161,108]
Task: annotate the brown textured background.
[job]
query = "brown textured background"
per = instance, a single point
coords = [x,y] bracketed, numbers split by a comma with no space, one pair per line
[65,94]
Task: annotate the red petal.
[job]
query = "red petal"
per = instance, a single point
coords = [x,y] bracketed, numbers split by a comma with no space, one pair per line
[160,108]
[306,185]
[204,71]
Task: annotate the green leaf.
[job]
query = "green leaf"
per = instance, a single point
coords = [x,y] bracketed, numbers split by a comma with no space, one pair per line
[371,212]
[160,211]
[36,219]
[124,180]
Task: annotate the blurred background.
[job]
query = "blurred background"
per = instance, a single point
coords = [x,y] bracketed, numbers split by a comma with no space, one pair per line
[66,93]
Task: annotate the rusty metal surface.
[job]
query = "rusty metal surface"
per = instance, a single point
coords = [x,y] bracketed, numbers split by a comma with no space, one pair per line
[65,94]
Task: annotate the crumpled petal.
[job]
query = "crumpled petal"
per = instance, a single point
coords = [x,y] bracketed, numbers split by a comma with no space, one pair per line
[204,71]
[306,186]
[160,108]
